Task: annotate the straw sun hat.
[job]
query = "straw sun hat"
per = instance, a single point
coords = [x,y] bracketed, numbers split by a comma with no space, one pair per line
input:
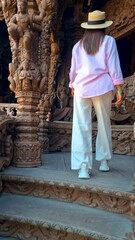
[96,20]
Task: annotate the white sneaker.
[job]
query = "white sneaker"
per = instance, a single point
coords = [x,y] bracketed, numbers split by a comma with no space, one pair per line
[84,171]
[104,166]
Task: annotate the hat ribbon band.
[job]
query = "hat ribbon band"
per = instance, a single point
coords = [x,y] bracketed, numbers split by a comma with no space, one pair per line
[96,22]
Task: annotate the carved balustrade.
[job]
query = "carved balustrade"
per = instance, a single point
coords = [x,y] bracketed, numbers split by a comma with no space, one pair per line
[6,141]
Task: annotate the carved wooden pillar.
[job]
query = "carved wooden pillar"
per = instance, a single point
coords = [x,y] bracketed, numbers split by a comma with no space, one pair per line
[27,149]
[26,77]
[25,80]
[49,45]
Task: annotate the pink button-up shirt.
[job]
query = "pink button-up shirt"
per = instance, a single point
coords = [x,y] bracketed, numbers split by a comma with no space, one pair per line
[94,75]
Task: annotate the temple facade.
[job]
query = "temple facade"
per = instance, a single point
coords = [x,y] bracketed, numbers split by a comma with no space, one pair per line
[35,55]
[36,106]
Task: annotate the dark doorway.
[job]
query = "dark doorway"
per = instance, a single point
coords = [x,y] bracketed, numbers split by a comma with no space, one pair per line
[125,53]
[6,96]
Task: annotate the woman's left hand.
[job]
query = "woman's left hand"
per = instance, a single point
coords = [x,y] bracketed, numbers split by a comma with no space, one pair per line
[119,98]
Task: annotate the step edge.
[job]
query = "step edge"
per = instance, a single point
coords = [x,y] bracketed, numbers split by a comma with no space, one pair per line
[94,188]
[59,227]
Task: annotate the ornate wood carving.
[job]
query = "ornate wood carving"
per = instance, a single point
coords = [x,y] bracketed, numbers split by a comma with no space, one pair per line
[122,137]
[130,95]
[6,140]
[7,9]
[48,59]
[122,14]
[27,149]
[27,77]
[41,40]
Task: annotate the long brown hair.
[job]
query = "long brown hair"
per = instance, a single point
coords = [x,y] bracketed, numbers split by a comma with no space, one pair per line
[92,39]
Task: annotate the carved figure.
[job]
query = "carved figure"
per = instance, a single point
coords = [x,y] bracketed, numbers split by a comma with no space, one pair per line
[19,27]
[63,96]
[46,100]
[25,76]
[42,4]
[53,61]
[43,86]
[12,69]
[54,45]
[29,76]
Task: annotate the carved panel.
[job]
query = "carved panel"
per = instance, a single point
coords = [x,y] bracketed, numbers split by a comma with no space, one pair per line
[113,201]
[122,14]
[130,95]
[6,140]
[123,140]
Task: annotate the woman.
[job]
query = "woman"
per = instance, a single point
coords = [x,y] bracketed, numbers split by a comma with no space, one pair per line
[95,72]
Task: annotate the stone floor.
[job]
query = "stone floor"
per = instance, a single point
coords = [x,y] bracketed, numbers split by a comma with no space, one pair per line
[56,166]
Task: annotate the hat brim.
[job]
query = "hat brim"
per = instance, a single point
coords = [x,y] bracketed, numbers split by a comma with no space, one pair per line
[96,26]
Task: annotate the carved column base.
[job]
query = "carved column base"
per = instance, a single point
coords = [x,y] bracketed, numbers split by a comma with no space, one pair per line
[27,148]
[27,154]
[43,130]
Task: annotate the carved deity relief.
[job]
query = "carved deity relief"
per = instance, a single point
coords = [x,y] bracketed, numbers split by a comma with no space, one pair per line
[19,26]
[26,77]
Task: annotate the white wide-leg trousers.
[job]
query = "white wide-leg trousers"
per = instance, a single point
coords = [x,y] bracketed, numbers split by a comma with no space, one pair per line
[81,146]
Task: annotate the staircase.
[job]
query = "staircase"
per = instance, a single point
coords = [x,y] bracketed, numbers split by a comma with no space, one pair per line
[51,203]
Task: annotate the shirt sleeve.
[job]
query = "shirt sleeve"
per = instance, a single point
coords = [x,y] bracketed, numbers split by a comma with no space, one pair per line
[113,63]
[72,73]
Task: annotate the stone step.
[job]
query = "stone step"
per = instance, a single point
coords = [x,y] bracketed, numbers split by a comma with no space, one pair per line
[8,238]
[91,196]
[27,217]
[111,191]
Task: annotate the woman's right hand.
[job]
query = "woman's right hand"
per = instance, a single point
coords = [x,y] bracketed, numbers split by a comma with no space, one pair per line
[72,91]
